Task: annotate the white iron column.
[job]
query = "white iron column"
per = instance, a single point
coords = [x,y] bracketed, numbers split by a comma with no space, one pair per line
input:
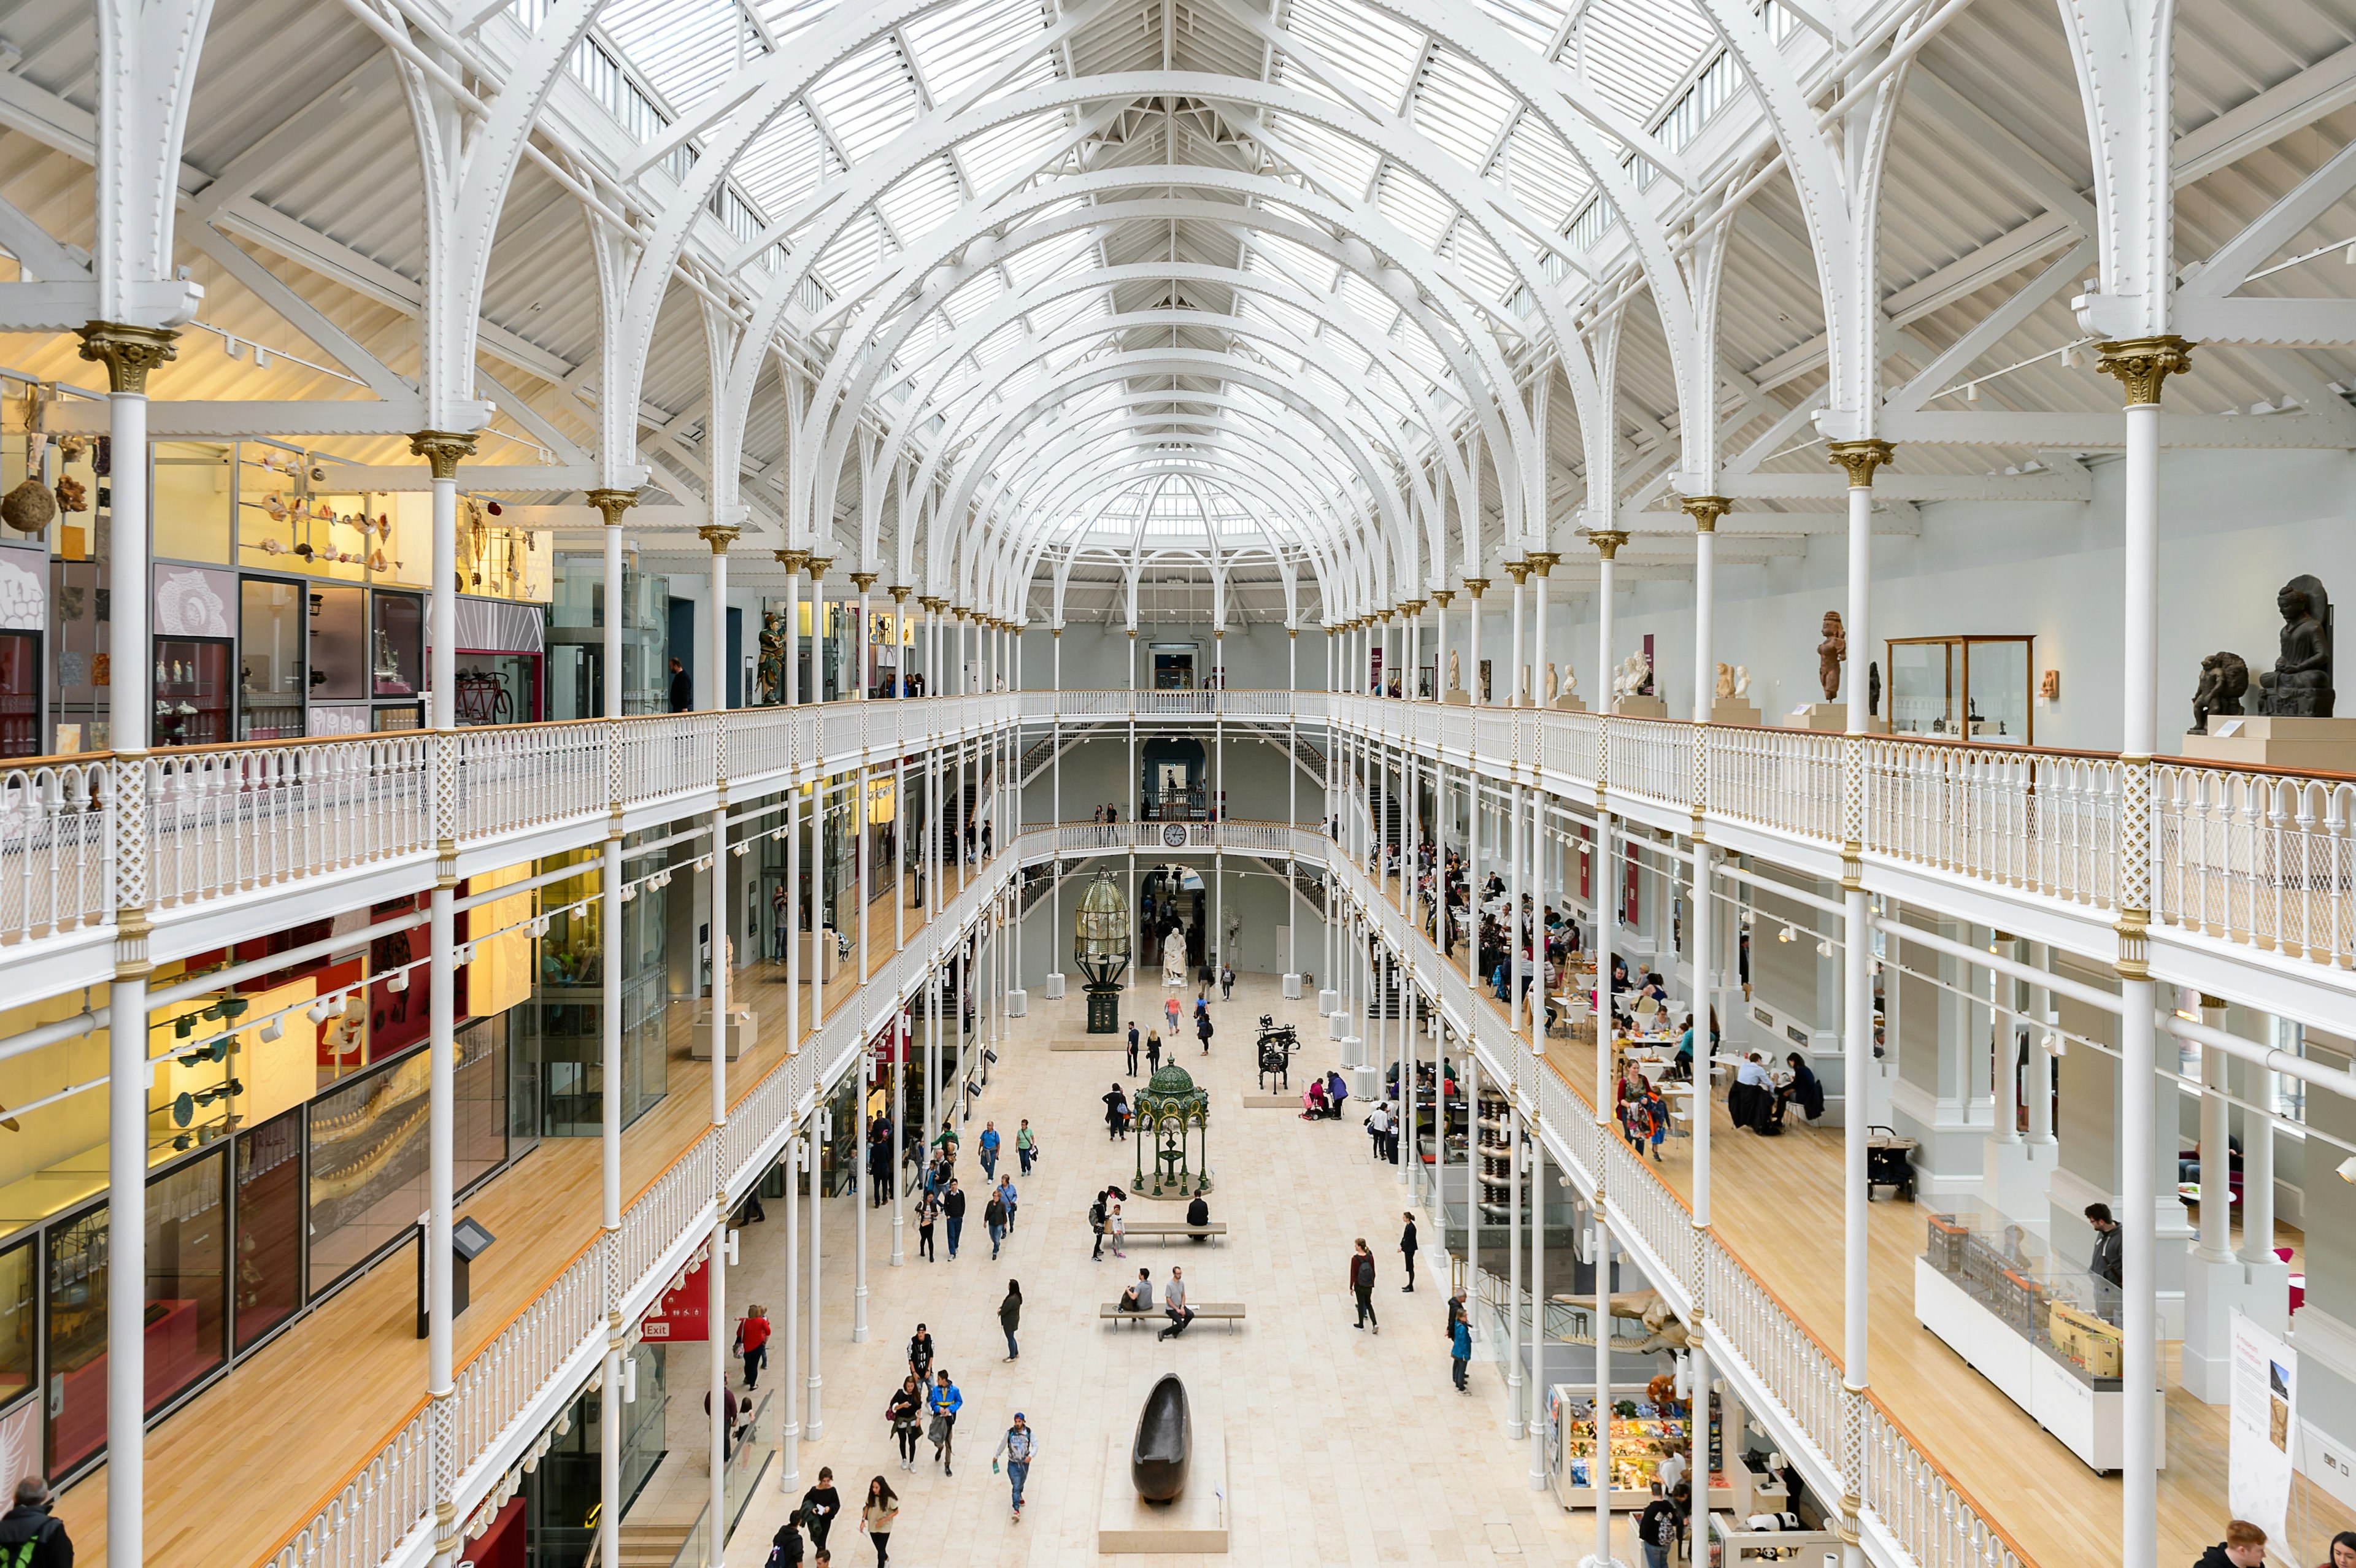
[443,452]
[1598,1465]
[612,503]
[2142,367]
[789,1431]
[1705,510]
[716,1545]
[1860,458]
[1518,1141]
[1541,561]
[129,353]
[1473,587]
[821,1123]
[1517,679]
[1537,1429]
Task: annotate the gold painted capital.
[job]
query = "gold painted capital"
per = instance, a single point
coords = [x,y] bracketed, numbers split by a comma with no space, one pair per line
[899,591]
[613,503]
[1473,585]
[793,561]
[1542,561]
[863,580]
[1607,541]
[719,535]
[1413,607]
[1705,510]
[1443,596]
[444,449]
[128,352]
[932,603]
[1517,570]
[2143,364]
[1861,458]
[818,565]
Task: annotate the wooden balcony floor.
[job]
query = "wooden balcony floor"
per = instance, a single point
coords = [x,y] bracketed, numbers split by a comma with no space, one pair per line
[1776,1204]
[290,1425]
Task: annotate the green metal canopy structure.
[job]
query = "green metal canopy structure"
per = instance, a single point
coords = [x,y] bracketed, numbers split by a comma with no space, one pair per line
[1168,1108]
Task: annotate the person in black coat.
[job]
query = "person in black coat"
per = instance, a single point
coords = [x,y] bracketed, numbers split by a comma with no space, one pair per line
[1406,1249]
[1803,1091]
[30,1522]
[683,689]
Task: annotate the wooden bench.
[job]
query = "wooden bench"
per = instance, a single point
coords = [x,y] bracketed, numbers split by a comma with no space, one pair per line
[1167,1228]
[1229,1312]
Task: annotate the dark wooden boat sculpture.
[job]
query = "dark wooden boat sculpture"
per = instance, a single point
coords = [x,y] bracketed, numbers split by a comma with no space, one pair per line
[1165,1441]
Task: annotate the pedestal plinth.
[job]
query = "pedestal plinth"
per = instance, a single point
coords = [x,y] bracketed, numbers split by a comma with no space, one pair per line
[1196,1522]
[2258,740]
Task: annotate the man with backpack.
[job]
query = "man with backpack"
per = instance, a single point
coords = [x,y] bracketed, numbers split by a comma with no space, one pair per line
[1663,1525]
[30,1536]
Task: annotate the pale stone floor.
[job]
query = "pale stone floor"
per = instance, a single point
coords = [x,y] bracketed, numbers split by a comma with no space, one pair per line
[1343,1446]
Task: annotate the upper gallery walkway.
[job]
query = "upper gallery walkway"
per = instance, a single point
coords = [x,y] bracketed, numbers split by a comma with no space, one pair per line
[2252,869]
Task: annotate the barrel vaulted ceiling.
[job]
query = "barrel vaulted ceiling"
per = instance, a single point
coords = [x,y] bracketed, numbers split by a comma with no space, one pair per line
[1306,302]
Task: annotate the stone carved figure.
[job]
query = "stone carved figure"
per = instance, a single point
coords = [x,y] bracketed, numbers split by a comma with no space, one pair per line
[1741,682]
[2299,686]
[1174,958]
[1725,679]
[1569,681]
[1553,683]
[770,673]
[1873,689]
[2224,681]
[1829,654]
[1454,682]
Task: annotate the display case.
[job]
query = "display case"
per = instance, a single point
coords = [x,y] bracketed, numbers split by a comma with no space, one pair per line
[273,634]
[397,645]
[339,645]
[20,694]
[192,691]
[2045,1332]
[1642,1435]
[1963,689]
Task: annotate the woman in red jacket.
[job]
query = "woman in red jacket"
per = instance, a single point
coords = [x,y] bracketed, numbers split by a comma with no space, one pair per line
[752,1343]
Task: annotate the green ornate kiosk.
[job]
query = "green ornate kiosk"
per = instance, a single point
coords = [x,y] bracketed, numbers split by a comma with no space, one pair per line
[1168,1108]
[1100,948]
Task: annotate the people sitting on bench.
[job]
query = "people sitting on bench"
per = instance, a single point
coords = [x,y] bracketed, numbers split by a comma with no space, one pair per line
[1198,1213]
[1138,1297]
[1173,1298]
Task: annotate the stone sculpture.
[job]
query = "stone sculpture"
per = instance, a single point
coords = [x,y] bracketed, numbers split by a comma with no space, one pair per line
[1554,684]
[1569,681]
[1725,679]
[1829,654]
[2299,686]
[1742,682]
[1164,1443]
[1174,958]
[1455,683]
[1873,689]
[2224,681]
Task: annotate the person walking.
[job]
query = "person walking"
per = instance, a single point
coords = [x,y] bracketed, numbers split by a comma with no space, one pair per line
[906,1412]
[1170,1011]
[1097,1217]
[1116,1106]
[1026,1143]
[1133,1047]
[953,1211]
[1202,1029]
[786,1546]
[30,1536]
[1006,1198]
[1010,1318]
[988,1142]
[947,1401]
[1362,1284]
[1173,1303]
[1459,1347]
[752,1343]
[883,1506]
[993,1219]
[928,1210]
[819,1505]
[1227,982]
[1406,1251]
[920,1356]
[1152,1052]
[1020,1445]
[1661,1525]
[1113,1224]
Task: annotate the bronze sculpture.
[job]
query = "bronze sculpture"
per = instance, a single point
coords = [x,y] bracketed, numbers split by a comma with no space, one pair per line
[2299,686]
[2224,680]
[1164,1443]
[771,672]
[1829,654]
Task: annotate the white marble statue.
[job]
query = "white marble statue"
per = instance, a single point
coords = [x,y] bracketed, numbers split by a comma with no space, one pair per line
[1454,682]
[1743,681]
[1174,958]
[1569,681]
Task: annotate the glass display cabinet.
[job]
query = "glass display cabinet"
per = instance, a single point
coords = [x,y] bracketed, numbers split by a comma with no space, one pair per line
[1962,688]
[2044,1331]
[192,691]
